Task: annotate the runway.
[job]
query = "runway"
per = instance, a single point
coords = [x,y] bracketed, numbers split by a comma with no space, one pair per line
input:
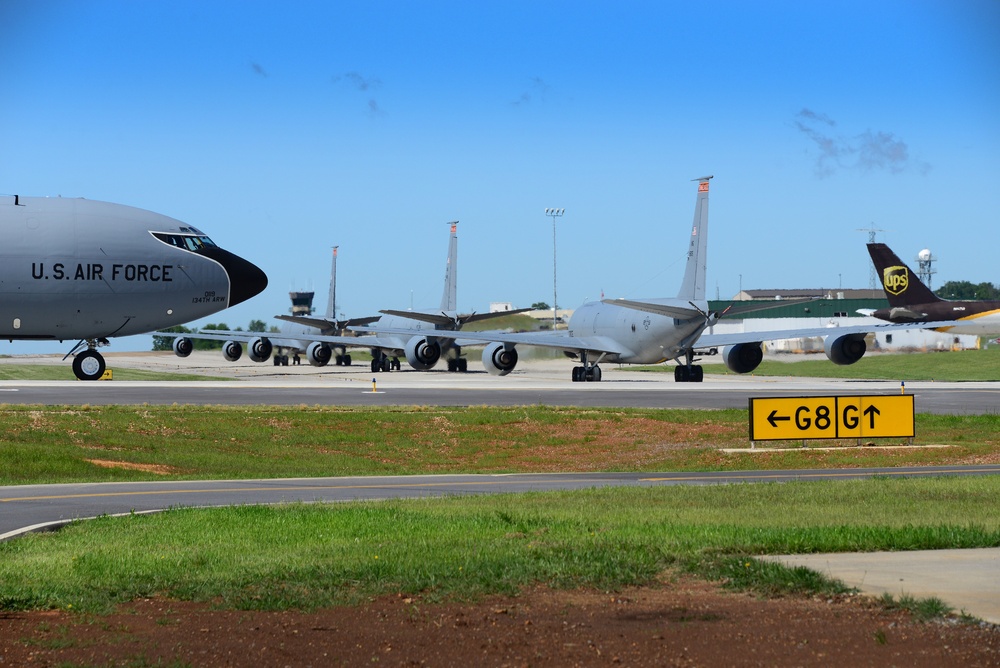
[537,383]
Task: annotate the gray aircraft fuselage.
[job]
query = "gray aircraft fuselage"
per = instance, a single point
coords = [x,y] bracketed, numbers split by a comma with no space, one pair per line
[649,338]
[77,269]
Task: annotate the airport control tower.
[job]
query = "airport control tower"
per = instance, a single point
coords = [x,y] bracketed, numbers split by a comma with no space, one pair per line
[302,303]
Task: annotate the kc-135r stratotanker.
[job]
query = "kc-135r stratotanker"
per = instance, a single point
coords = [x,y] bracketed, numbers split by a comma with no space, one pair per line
[655,330]
[78,269]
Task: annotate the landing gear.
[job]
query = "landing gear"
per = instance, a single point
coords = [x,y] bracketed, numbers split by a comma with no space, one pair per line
[343,360]
[688,372]
[89,365]
[456,362]
[382,362]
[588,373]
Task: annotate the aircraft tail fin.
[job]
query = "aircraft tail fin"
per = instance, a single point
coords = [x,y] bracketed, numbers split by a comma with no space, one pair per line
[449,300]
[331,302]
[693,286]
[901,285]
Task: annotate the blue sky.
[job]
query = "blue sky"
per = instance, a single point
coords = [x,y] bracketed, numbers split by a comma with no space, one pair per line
[282,129]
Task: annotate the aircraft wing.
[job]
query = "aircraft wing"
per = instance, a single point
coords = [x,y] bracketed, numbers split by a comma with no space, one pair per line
[709,340]
[284,341]
[557,340]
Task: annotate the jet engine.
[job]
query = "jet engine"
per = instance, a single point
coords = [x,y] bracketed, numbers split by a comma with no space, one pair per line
[318,353]
[498,359]
[259,350]
[421,353]
[742,357]
[183,346]
[846,349]
[232,350]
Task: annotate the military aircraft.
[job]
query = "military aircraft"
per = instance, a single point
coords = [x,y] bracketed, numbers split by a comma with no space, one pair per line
[655,330]
[293,339]
[86,270]
[320,337]
[910,301]
[409,329]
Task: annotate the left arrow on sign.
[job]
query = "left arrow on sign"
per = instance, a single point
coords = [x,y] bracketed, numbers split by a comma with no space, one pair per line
[773,419]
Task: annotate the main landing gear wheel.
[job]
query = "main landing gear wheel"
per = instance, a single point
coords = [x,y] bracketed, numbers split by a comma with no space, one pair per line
[689,374]
[590,374]
[89,365]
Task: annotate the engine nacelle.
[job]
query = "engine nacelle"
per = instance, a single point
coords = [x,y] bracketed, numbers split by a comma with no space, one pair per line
[498,359]
[232,350]
[743,357]
[846,349]
[319,353]
[421,353]
[183,346]
[259,350]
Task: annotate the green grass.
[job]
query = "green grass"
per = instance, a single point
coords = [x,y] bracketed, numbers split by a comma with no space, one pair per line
[957,366]
[75,444]
[64,371]
[304,556]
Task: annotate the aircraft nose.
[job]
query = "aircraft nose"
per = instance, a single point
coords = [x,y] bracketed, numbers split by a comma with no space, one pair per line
[245,278]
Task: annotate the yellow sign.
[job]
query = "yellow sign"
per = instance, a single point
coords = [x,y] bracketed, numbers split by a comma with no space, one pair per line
[792,418]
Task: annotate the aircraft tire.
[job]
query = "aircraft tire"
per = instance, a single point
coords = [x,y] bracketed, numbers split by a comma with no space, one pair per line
[594,374]
[697,374]
[347,360]
[681,374]
[577,374]
[376,367]
[463,365]
[89,365]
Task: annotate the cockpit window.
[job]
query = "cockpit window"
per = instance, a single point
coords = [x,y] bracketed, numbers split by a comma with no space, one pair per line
[190,242]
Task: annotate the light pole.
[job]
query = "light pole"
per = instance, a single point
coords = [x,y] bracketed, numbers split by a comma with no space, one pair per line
[554,213]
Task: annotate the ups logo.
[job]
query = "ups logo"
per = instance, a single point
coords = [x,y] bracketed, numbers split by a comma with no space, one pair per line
[895,280]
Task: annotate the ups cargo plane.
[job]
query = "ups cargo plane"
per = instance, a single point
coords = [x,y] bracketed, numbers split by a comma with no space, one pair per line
[82,270]
[912,301]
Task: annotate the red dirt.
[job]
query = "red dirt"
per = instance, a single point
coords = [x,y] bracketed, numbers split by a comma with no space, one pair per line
[683,622]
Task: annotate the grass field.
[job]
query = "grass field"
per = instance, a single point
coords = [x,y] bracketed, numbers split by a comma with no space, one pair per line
[305,556]
[956,366]
[93,444]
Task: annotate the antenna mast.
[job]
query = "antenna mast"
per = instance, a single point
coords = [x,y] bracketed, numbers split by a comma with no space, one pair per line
[872,275]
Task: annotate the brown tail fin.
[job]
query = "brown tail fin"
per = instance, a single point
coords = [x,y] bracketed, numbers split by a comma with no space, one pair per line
[901,285]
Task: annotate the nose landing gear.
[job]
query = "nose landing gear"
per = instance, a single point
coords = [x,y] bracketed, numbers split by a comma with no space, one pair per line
[89,364]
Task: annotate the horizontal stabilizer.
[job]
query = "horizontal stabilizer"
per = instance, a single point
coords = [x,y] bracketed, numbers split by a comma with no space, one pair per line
[443,320]
[324,323]
[674,309]
[437,319]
